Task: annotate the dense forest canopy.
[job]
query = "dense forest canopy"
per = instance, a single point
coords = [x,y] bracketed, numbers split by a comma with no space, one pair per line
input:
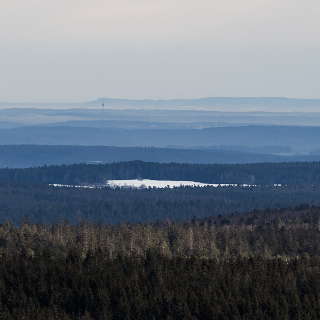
[262,265]
[268,233]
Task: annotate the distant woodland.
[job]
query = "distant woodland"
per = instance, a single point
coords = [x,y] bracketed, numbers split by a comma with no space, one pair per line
[291,173]
[23,156]
[45,204]
[25,193]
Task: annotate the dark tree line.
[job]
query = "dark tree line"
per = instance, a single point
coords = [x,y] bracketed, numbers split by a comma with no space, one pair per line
[262,173]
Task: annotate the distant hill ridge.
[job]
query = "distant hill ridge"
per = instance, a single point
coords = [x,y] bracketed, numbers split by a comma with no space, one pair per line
[19,156]
[261,103]
[302,139]
[210,101]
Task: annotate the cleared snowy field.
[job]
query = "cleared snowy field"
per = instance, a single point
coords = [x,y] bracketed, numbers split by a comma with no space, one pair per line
[147,183]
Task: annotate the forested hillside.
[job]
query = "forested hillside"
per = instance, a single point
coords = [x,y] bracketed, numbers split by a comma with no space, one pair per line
[302,173]
[237,252]
[44,204]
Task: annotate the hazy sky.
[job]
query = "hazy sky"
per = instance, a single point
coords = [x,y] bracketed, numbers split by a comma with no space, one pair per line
[83,49]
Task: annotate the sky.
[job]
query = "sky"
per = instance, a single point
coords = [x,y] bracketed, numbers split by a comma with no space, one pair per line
[78,50]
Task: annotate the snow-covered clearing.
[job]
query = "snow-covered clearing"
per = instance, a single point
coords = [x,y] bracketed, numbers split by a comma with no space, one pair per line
[148,183]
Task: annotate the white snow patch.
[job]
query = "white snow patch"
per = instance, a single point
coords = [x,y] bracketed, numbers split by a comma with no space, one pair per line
[58,185]
[147,183]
